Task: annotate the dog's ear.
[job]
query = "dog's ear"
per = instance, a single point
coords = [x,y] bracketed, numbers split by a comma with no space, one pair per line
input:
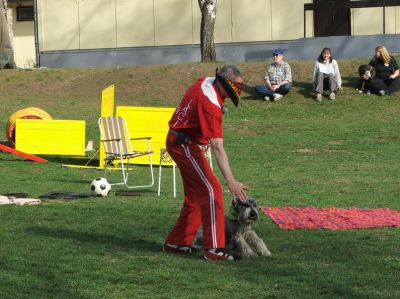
[252,202]
[234,202]
[361,70]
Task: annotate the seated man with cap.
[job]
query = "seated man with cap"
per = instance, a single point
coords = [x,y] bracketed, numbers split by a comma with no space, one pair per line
[278,78]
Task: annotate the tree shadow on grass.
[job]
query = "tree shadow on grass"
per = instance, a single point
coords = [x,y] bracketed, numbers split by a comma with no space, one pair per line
[78,161]
[350,82]
[305,89]
[251,93]
[95,238]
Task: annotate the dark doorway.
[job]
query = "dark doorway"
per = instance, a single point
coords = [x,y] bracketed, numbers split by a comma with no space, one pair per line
[331,17]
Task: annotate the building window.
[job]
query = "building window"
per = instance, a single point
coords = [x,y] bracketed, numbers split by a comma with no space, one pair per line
[25,13]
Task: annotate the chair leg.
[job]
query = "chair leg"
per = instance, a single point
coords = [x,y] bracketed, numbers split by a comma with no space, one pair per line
[159,178]
[174,179]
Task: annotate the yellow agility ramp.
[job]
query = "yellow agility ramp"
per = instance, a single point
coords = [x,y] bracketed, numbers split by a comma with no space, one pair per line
[148,122]
[50,137]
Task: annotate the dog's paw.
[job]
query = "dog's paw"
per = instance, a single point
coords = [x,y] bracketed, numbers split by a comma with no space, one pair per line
[265,252]
[249,254]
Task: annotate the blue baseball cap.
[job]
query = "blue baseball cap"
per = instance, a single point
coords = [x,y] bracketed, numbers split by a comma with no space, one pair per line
[278,51]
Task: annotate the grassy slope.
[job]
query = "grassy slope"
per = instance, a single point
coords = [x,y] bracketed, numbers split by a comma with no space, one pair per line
[293,153]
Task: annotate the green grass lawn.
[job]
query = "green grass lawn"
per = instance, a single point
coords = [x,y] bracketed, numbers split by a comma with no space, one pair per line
[295,152]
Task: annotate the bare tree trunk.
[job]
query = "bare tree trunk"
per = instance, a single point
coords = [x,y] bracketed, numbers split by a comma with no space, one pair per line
[208,10]
[6,51]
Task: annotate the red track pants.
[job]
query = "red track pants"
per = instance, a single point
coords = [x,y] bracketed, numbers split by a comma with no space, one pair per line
[203,202]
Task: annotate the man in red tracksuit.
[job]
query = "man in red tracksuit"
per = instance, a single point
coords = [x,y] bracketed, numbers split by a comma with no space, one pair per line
[196,124]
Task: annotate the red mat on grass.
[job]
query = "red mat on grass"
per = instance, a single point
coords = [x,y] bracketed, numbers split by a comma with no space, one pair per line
[332,218]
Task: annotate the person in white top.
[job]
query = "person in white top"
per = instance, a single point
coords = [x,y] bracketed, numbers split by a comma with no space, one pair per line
[326,75]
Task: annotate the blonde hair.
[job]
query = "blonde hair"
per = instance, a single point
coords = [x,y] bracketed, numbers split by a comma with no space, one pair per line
[384,53]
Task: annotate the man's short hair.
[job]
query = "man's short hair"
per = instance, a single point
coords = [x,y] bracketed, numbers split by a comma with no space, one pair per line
[230,72]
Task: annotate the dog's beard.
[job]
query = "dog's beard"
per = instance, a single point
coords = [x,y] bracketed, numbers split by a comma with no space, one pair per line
[248,216]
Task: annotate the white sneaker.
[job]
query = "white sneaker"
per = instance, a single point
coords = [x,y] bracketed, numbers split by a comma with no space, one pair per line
[277,96]
[332,96]
[382,92]
[318,97]
[267,98]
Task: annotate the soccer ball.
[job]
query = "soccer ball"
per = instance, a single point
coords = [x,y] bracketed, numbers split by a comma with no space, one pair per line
[100,186]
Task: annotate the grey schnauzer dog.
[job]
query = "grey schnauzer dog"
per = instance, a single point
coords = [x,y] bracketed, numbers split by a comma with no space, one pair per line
[239,235]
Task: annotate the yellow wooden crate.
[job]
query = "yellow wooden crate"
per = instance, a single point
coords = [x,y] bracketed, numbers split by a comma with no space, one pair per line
[50,137]
[147,122]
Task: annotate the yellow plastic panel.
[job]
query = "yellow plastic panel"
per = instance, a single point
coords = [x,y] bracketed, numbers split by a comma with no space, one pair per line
[147,122]
[97,24]
[50,137]
[58,24]
[173,22]
[107,109]
[107,101]
[135,23]
[251,22]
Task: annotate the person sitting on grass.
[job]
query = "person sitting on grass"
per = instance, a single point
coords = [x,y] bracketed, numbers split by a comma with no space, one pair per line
[386,79]
[278,79]
[326,75]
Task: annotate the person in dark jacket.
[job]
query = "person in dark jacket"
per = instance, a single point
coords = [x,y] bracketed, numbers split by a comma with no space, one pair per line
[387,80]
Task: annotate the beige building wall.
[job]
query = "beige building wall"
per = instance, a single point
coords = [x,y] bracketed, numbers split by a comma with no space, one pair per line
[251,22]
[24,44]
[58,24]
[91,24]
[309,24]
[287,19]
[196,22]
[366,21]
[133,30]
[173,22]
[223,22]
[22,38]
[392,20]
[97,24]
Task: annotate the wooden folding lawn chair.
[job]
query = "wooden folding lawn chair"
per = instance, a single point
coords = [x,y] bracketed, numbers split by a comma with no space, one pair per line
[118,148]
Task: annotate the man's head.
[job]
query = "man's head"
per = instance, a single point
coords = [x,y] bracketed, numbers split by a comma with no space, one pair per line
[278,55]
[230,80]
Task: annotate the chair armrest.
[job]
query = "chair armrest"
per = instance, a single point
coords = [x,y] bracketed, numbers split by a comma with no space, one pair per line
[139,138]
[106,140]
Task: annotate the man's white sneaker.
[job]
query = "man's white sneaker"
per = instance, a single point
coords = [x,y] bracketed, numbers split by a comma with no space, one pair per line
[318,98]
[332,96]
[219,254]
[267,98]
[178,248]
[277,97]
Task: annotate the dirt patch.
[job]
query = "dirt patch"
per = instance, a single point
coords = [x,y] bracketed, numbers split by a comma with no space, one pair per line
[334,142]
[305,150]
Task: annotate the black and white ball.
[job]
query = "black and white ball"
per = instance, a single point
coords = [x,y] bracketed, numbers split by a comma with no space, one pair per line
[100,186]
